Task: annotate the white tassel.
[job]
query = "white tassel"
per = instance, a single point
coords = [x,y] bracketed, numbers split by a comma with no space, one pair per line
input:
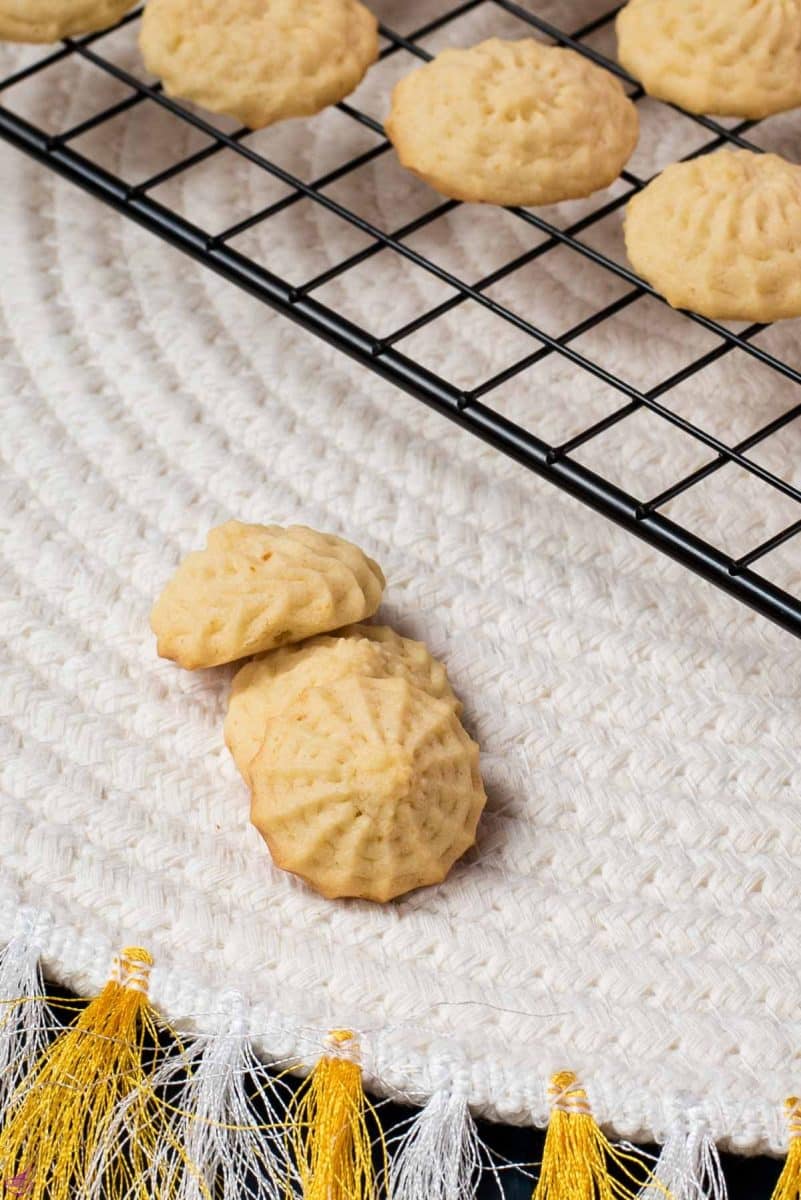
[440,1155]
[234,1140]
[219,1120]
[688,1168]
[26,1019]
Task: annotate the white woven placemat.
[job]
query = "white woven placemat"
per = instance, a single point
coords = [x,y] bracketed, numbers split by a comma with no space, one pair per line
[630,911]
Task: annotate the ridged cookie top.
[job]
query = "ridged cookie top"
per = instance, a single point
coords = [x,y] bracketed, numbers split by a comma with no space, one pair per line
[255,587]
[259,60]
[267,686]
[512,123]
[409,658]
[738,58]
[368,787]
[721,235]
[51,20]
[272,682]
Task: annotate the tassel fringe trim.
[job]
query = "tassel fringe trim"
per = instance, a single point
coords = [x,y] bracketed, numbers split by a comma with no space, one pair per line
[116,1106]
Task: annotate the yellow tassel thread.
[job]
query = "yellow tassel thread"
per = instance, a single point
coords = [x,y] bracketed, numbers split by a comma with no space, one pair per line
[328,1133]
[788,1185]
[577,1156]
[61,1111]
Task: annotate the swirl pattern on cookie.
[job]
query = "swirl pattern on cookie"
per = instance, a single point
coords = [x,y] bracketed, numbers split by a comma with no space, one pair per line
[270,683]
[260,61]
[255,587]
[509,122]
[51,20]
[741,58]
[368,788]
[721,235]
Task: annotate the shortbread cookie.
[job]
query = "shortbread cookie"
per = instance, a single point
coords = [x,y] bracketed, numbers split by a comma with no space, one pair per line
[414,660]
[721,235]
[368,787]
[512,123]
[739,58]
[51,20]
[272,682]
[255,587]
[260,61]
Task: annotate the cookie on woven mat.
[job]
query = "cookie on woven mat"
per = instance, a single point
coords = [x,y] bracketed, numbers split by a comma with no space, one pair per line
[367,787]
[738,58]
[260,61]
[512,123]
[51,20]
[721,235]
[413,659]
[272,682]
[255,587]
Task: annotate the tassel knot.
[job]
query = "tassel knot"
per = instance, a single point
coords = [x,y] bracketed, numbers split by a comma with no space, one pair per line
[567,1095]
[342,1044]
[131,969]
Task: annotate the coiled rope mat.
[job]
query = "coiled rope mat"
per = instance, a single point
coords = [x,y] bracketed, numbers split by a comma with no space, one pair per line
[630,911]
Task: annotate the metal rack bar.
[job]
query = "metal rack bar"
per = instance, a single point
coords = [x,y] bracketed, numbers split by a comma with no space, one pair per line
[467,407]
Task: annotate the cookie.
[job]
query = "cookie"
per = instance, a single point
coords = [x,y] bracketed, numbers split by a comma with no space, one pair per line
[368,788]
[721,235]
[256,587]
[738,59]
[414,660]
[272,682]
[260,61]
[512,123]
[51,20]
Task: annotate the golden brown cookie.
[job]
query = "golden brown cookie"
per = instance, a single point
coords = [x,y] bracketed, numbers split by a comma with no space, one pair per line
[512,123]
[272,682]
[736,58]
[721,235]
[414,660]
[368,788]
[260,61]
[51,20]
[255,587]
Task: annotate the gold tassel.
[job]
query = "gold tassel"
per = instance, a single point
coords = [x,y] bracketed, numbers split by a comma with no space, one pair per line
[577,1156]
[328,1133]
[61,1111]
[788,1185]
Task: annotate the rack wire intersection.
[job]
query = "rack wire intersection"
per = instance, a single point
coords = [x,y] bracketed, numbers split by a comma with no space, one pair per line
[472,409]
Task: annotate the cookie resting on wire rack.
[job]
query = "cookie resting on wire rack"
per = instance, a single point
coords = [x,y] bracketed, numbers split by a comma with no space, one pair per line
[741,58]
[51,20]
[721,235]
[259,63]
[513,123]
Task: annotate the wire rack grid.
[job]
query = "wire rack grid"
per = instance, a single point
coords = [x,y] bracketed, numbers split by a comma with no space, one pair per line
[472,408]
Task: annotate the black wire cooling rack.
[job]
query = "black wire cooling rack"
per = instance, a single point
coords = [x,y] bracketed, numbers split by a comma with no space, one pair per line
[472,409]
